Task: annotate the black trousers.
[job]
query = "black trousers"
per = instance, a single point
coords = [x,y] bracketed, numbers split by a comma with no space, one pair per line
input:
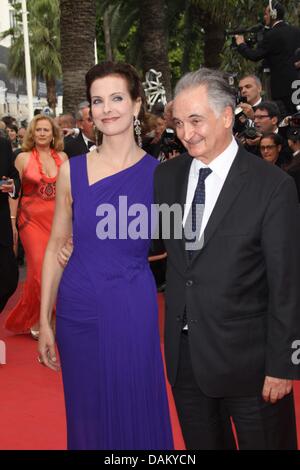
[9,275]
[205,421]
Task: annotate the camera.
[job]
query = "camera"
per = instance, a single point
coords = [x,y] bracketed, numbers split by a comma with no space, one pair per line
[243,99]
[252,35]
[250,133]
[170,143]
[240,119]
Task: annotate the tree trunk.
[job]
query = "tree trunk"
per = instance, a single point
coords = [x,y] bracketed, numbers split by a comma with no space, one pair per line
[78,28]
[154,40]
[51,93]
[214,37]
[107,36]
[187,42]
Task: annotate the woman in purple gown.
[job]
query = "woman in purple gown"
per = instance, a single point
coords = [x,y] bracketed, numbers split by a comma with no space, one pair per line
[107,315]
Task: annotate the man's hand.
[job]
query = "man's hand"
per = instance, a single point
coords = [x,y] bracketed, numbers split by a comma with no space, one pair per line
[239,39]
[64,254]
[8,187]
[67,131]
[247,110]
[275,389]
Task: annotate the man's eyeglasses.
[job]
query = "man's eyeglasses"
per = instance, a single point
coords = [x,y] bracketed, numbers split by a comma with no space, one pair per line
[267,147]
[262,116]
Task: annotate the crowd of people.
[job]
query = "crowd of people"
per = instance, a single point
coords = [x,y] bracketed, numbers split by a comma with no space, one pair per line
[232,167]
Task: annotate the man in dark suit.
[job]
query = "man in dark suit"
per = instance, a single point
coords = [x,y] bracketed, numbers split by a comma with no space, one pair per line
[232,293]
[293,169]
[85,139]
[277,48]
[9,186]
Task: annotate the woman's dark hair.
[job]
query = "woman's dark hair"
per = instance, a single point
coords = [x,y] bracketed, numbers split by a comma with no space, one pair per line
[12,127]
[277,139]
[126,71]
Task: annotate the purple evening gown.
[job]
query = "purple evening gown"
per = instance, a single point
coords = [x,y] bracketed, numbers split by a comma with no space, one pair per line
[107,323]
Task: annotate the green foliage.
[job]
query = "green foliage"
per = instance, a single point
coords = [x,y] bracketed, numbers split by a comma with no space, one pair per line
[186,33]
[44,39]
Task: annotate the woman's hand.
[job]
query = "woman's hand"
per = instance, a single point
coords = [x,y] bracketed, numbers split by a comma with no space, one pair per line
[47,354]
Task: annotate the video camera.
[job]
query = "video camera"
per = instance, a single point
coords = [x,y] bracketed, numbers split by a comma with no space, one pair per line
[252,35]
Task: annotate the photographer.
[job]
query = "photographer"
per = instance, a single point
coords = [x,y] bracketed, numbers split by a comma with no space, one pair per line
[277,47]
[266,120]
[250,89]
[170,145]
[248,99]
[167,144]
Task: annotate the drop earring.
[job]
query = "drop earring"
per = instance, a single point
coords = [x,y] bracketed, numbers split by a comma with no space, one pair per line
[96,132]
[138,130]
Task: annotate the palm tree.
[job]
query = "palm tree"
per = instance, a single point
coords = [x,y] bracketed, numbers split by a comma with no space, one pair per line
[78,26]
[118,17]
[154,39]
[43,26]
[45,20]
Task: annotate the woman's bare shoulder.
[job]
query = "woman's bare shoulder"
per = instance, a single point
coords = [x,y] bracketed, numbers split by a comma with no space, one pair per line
[22,159]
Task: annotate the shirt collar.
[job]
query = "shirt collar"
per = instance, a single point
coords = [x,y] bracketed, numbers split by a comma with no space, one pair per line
[257,102]
[86,139]
[277,22]
[221,164]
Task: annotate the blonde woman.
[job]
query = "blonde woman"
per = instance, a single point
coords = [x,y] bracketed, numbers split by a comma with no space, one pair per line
[38,167]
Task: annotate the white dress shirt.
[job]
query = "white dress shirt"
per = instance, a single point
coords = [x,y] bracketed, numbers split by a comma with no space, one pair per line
[220,167]
[87,140]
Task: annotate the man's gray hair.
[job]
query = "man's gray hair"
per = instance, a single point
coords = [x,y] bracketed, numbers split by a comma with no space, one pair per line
[81,106]
[254,77]
[220,93]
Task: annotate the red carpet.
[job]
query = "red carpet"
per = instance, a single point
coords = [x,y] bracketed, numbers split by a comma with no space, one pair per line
[31,397]
[32,412]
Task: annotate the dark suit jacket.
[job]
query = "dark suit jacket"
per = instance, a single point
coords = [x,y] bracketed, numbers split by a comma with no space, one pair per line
[7,169]
[294,170]
[278,48]
[74,146]
[241,291]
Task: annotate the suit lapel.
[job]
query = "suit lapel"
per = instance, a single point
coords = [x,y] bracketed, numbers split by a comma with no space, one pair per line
[82,143]
[233,184]
[182,180]
[181,189]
